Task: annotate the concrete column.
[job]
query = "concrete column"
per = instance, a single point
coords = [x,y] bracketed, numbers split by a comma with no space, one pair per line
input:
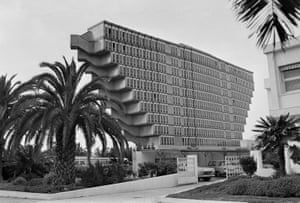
[287,160]
[257,155]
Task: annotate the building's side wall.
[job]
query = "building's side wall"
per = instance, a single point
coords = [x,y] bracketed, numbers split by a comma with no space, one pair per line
[280,100]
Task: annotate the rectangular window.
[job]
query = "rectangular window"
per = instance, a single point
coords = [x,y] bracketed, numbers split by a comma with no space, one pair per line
[291,78]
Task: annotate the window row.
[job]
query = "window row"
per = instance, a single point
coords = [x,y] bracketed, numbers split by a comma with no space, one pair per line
[238,127]
[202,123]
[157,118]
[146,85]
[134,51]
[130,37]
[239,111]
[192,141]
[198,104]
[240,73]
[141,64]
[150,96]
[154,107]
[198,95]
[167,140]
[240,97]
[161,130]
[197,132]
[201,87]
[142,74]
[239,119]
[240,104]
[240,89]
[241,82]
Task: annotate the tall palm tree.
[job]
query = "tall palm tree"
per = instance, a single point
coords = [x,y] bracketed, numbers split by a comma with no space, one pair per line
[9,94]
[274,134]
[270,20]
[57,108]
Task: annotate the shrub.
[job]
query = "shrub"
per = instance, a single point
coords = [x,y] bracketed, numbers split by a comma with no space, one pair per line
[49,178]
[102,175]
[166,167]
[160,168]
[20,181]
[9,170]
[93,176]
[147,168]
[248,165]
[115,173]
[238,188]
[35,182]
[288,186]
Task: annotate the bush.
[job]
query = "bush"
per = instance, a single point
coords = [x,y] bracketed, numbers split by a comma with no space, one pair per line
[160,168]
[288,186]
[248,165]
[35,182]
[102,175]
[238,188]
[20,181]
[49,178]
[147,168]
[166,167]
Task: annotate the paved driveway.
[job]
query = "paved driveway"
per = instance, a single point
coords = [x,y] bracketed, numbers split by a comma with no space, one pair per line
[147,196]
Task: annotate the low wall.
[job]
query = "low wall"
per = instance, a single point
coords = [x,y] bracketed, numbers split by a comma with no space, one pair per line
[131,186]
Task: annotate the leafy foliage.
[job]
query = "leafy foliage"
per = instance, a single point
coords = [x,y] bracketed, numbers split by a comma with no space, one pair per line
[147,168]
[29,162]
[9,95]
[274,134]
[160,168]
[56,107]
[102,175]
[20,181]
[248,165]
[271,158]
[288,186]
[269,19]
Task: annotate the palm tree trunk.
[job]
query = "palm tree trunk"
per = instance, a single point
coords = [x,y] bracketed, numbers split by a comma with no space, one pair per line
[2,143]
[65,161]
[281,157]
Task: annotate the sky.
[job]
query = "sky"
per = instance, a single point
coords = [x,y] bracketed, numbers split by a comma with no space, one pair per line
[34,31]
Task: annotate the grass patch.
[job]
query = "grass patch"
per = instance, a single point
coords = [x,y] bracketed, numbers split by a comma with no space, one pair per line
[244,189]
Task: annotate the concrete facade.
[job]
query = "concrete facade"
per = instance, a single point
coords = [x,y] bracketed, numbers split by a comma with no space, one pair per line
[283,84]
[175,97]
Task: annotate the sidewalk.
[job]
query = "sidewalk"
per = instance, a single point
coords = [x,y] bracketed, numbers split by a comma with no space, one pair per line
[147,196]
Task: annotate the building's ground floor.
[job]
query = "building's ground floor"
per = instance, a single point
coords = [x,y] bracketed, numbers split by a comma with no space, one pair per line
[203,156]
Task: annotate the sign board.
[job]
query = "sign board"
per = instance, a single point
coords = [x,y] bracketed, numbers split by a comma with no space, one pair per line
[187,170]
[233,167]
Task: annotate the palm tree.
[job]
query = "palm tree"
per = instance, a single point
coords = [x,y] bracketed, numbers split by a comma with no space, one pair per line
[57,108]
[269,19]
[274,134]
[9,94]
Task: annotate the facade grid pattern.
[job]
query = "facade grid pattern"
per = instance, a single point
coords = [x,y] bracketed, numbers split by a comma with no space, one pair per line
[187,97]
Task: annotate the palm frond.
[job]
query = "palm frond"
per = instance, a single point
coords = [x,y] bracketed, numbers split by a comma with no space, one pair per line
[268,19]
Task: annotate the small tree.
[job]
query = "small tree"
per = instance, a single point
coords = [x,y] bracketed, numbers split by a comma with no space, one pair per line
[248,165]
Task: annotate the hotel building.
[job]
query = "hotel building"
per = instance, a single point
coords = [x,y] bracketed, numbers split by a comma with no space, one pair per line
[175,96]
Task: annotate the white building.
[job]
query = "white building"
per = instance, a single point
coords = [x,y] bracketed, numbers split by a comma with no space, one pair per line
[283,84]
